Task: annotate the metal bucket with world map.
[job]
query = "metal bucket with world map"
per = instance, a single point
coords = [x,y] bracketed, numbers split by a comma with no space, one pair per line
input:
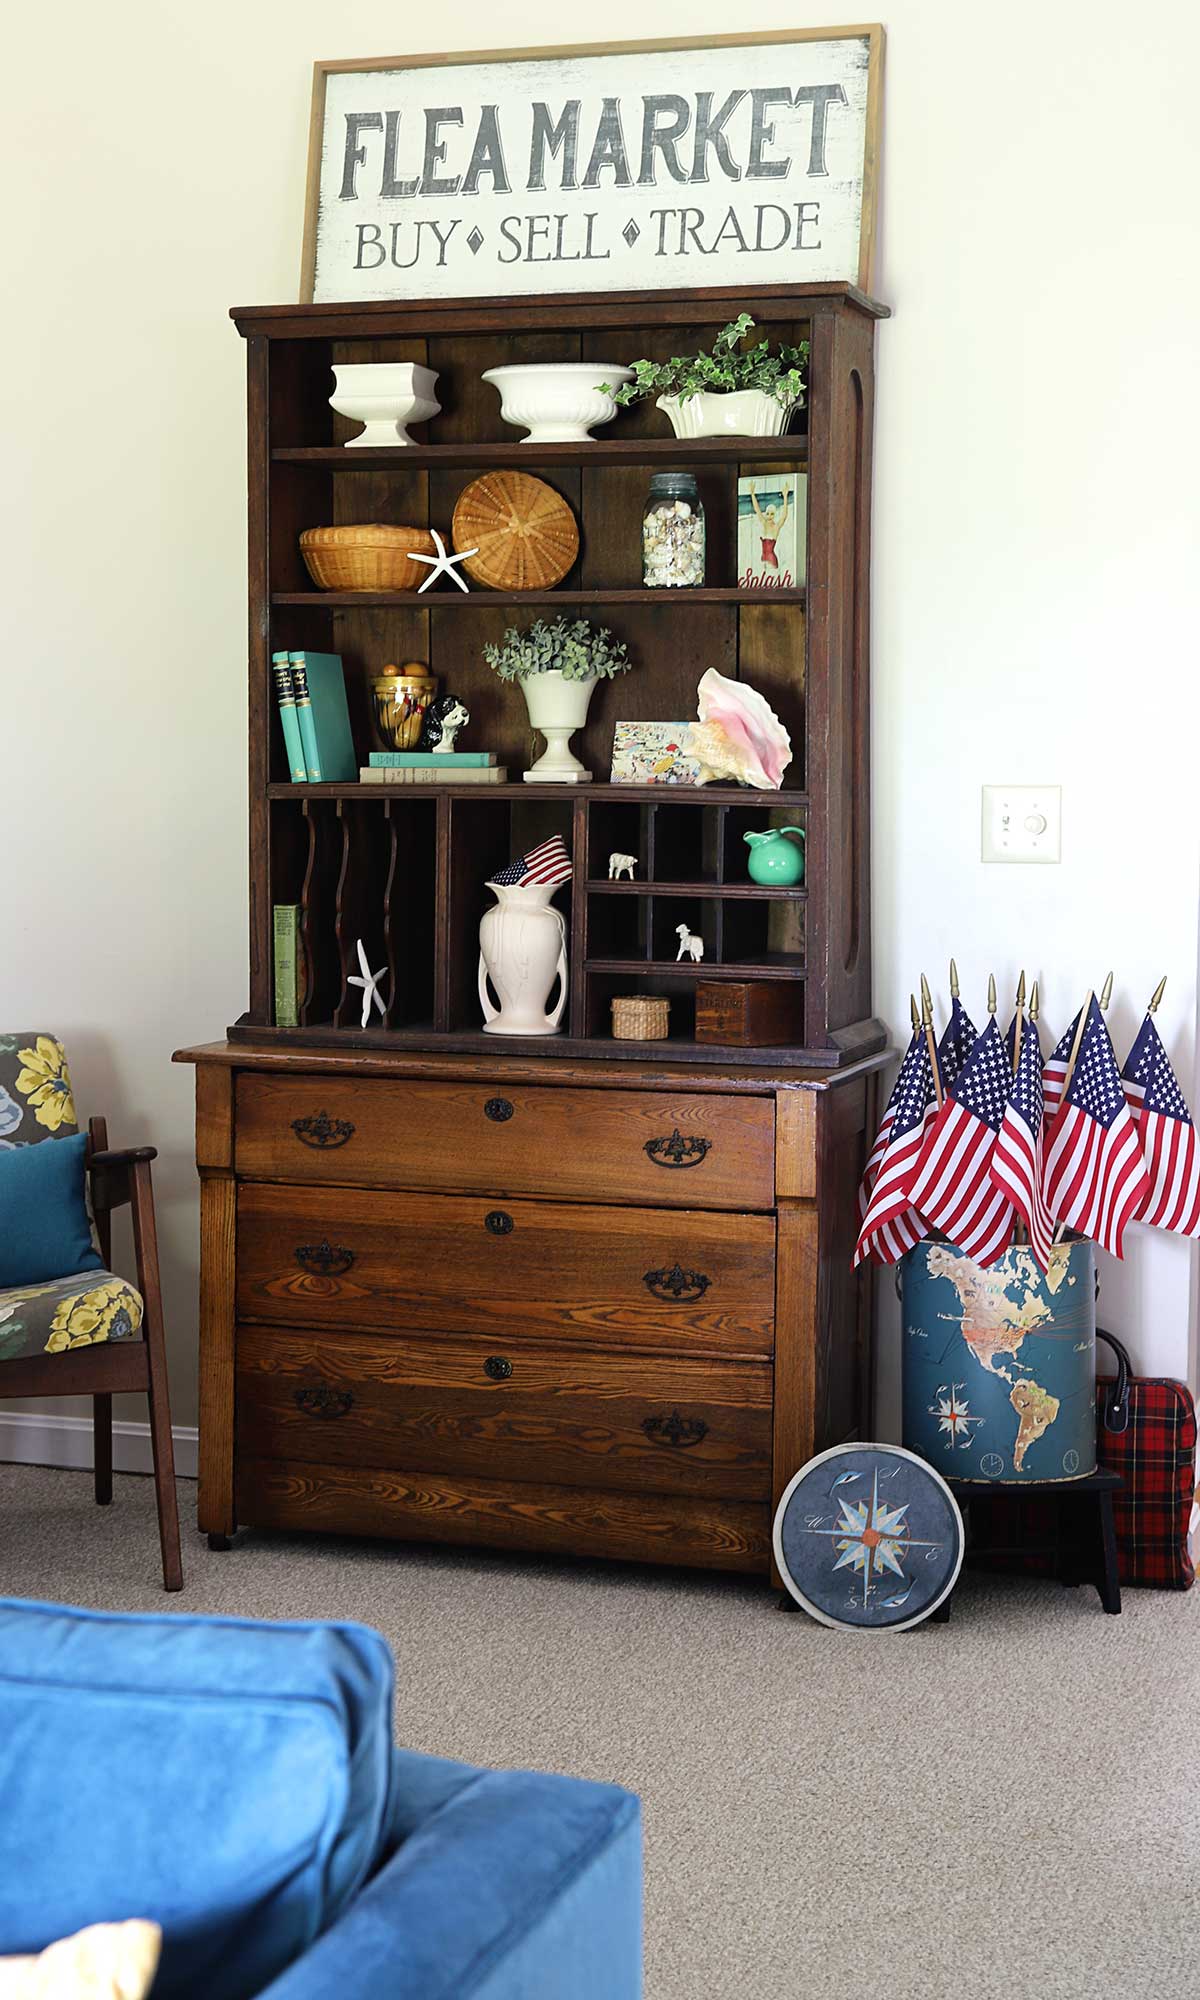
[1000,1363]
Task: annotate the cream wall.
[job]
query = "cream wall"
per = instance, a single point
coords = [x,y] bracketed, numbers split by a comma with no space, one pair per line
[1035,587]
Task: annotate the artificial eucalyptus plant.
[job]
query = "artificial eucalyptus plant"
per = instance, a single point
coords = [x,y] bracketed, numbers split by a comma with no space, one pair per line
[731,364]
[569,646]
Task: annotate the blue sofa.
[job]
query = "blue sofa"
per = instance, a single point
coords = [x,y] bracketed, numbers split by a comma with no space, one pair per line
[237,1782]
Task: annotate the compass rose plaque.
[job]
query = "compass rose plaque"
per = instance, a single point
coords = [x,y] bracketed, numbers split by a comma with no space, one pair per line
[868,1536]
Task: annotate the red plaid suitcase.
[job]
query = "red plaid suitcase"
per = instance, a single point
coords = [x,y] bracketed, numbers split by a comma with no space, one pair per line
[1146,1431]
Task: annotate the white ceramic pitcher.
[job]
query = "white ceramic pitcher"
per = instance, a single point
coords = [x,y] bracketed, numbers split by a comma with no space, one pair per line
[522,951]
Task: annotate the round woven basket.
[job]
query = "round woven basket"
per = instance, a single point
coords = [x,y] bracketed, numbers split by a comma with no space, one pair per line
[640,1017]
[371,557]
[524,532]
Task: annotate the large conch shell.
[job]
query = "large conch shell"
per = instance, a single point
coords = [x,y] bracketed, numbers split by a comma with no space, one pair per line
[739,736]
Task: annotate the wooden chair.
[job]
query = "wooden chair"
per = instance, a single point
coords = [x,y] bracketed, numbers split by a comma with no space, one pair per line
[92,1334]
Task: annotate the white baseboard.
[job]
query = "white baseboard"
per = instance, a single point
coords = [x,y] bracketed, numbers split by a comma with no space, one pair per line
[29,1438]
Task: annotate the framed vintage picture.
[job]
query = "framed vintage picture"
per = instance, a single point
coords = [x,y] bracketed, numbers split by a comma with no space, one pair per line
[652,753]
[606,167]
[772,529]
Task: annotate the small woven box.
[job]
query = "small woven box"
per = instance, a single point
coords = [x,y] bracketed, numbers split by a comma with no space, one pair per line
[640,1017]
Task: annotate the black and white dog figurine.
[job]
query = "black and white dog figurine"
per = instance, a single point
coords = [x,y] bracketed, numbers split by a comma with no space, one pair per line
[443,720]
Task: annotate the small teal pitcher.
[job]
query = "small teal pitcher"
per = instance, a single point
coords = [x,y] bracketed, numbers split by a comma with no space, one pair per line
[774,860]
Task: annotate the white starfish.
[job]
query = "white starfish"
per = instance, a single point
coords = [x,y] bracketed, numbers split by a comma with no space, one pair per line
[443,561]
[369,983]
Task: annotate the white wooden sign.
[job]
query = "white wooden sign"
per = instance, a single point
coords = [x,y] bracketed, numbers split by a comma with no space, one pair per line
[642,166]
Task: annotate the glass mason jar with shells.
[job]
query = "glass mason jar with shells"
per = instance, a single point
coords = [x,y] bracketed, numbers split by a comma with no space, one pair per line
[673,533]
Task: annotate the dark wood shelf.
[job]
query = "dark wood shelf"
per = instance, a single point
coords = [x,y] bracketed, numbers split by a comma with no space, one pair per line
[463,1041]
[513,453]
[655,795]
[482,600]
[723,891]
[782,967]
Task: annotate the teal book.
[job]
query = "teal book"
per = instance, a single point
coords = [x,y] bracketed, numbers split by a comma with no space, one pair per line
[285,694]
[323,717]
[416,760]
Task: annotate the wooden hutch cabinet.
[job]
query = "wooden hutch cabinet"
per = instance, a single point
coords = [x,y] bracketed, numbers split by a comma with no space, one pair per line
[565,1293]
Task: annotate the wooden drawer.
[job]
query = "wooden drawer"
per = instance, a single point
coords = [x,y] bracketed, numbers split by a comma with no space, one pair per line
[499,1514]
[346,1257]
[637,1146]
[564,1415]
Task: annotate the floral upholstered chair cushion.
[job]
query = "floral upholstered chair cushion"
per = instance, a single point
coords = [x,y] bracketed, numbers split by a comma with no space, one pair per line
[36,1102]
[35,1090]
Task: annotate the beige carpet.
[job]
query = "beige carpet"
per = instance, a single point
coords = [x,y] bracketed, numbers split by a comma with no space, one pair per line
[1005,1806]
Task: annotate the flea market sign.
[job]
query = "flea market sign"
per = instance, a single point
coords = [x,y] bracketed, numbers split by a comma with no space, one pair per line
[640,166]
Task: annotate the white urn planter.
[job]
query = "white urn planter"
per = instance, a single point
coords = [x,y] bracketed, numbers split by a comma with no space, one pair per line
[522,952]
[385,396]
[557,401]
[557,707]
[727,413]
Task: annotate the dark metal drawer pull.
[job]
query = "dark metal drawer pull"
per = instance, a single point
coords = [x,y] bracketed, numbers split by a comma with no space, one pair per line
[323,1401]
[677,1151]
[498,1109]
[324,1259]
[498,1223]
[322,1130]
[676,1283]
[497,1367]
[675,1430]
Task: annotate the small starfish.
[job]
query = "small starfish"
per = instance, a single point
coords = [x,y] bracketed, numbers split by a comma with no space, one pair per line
[443,561]
[369,983]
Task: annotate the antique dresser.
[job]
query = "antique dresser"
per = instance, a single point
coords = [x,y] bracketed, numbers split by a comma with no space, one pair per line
[563,1293]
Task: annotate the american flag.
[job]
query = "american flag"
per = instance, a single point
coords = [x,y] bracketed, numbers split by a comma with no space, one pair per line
[1167,1134]
[889,1223]
[1096,1178]
[1056,1069]
[953,1188]
[548,863]
[958,1039]
[1018,1163]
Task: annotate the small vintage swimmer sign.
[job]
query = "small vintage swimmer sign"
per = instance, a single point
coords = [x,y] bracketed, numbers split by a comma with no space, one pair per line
[869,1537]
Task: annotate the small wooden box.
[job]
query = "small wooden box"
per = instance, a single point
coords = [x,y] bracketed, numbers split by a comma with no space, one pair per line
[750,1013]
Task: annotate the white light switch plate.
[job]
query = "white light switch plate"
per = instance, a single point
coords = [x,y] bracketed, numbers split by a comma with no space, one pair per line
[1022,823]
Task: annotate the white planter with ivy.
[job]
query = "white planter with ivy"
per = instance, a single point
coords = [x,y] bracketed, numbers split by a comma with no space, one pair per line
[737,390]
[733,413]
[557,666]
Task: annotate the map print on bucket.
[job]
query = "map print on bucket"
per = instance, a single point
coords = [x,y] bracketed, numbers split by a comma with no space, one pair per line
[1000,1363]
[868,1537]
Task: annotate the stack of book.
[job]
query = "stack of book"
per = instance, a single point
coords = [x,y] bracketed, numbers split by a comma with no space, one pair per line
[433,767]
[311,692]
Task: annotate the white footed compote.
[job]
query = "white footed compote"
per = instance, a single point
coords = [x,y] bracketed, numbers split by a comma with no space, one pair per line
[557,401]
[557,708]
[385,396]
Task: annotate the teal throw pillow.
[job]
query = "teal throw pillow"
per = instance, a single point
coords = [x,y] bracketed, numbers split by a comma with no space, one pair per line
[44,1227]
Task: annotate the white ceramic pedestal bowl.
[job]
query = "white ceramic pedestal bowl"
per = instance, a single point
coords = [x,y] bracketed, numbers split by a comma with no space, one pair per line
[385,396]
[727,413]
[557,401]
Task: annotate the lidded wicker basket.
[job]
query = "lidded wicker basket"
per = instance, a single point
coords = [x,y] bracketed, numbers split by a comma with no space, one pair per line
[525,533]
[370,557]
[640,1017]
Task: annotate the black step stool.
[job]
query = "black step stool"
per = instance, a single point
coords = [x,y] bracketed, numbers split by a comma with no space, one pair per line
[1082,1543]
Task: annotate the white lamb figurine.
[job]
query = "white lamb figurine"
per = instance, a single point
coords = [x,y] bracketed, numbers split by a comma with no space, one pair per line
[690,946]
[621,864]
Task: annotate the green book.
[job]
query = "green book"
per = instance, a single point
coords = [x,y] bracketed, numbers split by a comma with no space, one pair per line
[287,964]
[323,716]
[285,694]
[416,760]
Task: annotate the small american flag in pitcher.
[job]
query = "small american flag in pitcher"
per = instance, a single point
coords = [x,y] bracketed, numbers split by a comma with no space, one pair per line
[548,863]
